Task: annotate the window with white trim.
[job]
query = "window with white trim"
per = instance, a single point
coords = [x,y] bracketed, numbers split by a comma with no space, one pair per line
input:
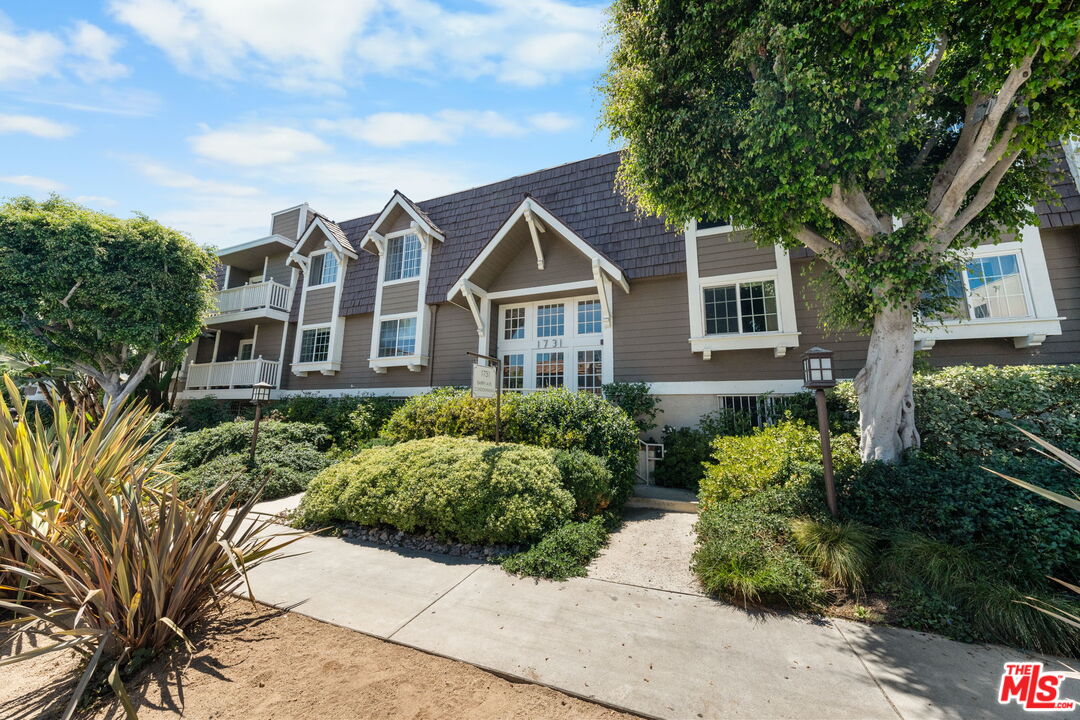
[747,307]
[550,370]
[990,287]
[549,320]
[324,269]
[513,371]
[589,371]
[315,345]
[397,337]
[588,317]
[514,323]
[403,256]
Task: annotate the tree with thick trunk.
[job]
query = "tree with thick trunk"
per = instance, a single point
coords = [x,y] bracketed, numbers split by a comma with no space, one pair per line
[104,296]
[889,138]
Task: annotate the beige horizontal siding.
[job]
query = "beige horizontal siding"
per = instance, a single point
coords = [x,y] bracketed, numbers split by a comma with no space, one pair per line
[277,270]
[400,298]
[732,253]
[319,307]
[513,265]
[286,224]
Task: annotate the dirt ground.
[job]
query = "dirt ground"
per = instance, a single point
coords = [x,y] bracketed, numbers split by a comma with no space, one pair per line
[268,664]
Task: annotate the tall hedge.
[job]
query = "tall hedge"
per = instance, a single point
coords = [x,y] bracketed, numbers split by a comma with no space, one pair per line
[458,488]
[555,418]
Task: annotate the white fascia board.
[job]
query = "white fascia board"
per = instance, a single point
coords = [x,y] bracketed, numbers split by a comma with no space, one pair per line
[341,250]
[348,392]
[397,200]
[986,329]
[728,387]
[749,341]
[268,240]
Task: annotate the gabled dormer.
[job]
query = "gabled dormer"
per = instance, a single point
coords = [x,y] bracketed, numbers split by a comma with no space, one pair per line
[402,237]
[322,254]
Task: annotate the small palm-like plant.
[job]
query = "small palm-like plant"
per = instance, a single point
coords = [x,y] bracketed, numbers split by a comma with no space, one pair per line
[99,550]
[1073,503]
[44,464]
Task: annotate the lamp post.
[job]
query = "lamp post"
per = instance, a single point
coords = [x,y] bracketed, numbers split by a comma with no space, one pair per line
[260,395]
[818,375]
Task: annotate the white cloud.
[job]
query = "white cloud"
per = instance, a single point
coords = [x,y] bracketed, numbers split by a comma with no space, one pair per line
[94,49]
[28,56]
[552,121]
[33,181]
[167,177]
[323,44]
[34,125]
[255,145]
[395,129]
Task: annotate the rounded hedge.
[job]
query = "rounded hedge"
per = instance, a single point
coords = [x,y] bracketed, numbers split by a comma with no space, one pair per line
[196,448]
[457,488]
[553,418]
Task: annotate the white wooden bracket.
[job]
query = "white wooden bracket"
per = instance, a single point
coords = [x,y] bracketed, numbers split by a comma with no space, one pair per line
[535,226]
[470,292]
[603,288]
[1028,341]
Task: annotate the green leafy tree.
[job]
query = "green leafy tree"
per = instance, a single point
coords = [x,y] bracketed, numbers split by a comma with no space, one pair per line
[887,137]
[104,296]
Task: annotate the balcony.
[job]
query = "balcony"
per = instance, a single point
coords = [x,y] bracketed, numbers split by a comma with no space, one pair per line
[232,375]
[268,299]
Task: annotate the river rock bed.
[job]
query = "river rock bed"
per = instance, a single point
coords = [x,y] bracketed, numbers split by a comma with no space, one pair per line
[392,537]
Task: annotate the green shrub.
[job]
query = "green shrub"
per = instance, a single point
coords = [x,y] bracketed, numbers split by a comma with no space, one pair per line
[587,478]
[194,449]
[287,471]
[746,555]
[959,503]
[788,451]
[967,410]
[456,488]
[554,418]
[636,400]
[205,412]
[685,451]
[351,420]
[563,553]
[843,552]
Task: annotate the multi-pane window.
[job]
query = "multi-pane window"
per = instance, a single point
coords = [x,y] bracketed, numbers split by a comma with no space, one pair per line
[514,324]
[397,337]
[589,375]
[549,369]
[741,308]
[588,317]
[990,287]
[324,269]
[315,345]
[403,257]
[549,320]
[513,371]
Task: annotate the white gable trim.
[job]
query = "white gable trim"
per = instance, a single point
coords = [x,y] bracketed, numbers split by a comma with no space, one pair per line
[397,200]
[530,208]
[332,243]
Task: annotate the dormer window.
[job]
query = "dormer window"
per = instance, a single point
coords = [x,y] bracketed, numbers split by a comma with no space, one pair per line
[324,270]
[403,255]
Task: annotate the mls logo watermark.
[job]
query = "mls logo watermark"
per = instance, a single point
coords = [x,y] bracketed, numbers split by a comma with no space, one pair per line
[1028,685]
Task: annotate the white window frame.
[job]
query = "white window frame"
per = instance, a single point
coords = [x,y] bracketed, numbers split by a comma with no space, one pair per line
[569,343]
[738,284]
[400,235]
[1021,272]
[300,344]
[311,277]
[397,318]
[787,334]
[246,342]
[1025,332]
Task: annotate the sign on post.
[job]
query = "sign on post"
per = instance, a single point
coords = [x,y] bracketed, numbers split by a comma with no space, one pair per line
[484,381]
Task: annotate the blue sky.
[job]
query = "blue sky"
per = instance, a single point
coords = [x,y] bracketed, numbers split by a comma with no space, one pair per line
[210,114]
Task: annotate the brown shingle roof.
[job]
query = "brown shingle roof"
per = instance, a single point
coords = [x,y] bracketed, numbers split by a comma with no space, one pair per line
[335,230]
[1066,210]
[581,194]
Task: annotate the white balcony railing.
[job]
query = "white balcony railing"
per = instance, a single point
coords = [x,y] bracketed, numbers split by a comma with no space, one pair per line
[266,295]
[235,374]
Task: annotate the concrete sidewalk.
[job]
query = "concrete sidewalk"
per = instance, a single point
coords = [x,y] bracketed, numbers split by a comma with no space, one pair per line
[655,653]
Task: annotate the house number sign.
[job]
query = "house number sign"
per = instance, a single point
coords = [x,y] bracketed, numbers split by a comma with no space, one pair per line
[548,343]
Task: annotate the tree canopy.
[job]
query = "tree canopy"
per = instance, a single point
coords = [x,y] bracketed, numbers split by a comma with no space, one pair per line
[102,295]
[887,136]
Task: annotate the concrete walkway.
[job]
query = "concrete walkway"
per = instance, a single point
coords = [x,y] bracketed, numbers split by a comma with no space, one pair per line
[652,652]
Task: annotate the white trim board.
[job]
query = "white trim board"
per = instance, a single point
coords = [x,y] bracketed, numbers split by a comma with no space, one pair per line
[729,387]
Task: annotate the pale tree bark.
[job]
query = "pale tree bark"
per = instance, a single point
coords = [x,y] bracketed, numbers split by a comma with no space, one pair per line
[115,387]
[886,407]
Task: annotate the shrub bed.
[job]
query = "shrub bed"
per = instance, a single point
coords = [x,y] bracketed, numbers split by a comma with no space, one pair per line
[554,418]
[563,553]
[287,456]
[351,420]
[457,488]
